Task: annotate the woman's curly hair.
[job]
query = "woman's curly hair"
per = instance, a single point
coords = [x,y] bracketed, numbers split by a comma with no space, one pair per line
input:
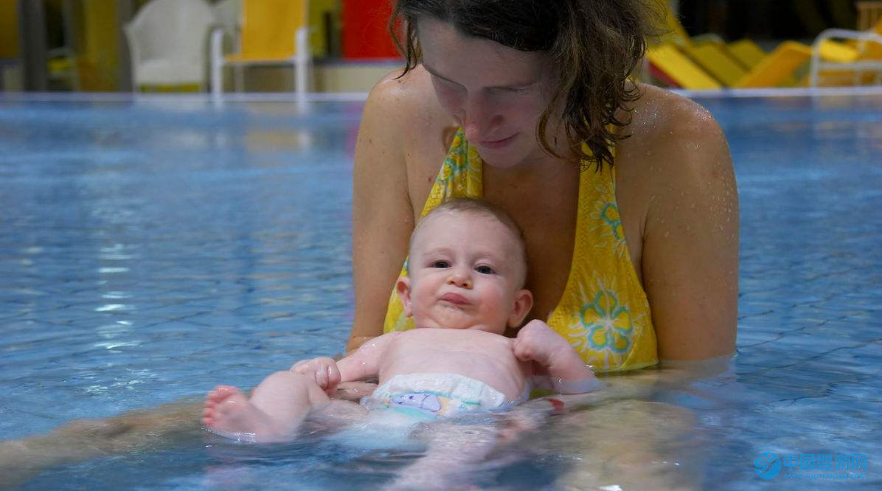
[595,46]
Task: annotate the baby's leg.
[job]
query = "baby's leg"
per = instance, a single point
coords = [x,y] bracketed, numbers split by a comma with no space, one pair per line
[454,450]
[274,413]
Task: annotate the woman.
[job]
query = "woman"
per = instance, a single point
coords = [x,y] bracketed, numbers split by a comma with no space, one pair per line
[625,192]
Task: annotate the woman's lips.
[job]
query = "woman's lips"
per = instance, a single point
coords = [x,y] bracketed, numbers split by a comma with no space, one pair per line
[497,144]
[455,299]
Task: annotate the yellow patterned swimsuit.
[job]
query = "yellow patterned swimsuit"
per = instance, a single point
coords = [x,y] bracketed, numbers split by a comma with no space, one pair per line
[603,312]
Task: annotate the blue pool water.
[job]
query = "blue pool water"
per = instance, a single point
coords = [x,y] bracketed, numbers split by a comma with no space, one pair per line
[153,248]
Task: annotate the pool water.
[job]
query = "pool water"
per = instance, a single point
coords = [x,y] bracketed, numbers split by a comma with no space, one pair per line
[155,247]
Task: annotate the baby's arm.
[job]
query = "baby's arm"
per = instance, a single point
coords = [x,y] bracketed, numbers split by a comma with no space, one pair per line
[362,364]
[566,372]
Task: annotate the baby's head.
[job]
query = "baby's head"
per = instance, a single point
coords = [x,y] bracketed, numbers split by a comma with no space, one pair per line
[466,270]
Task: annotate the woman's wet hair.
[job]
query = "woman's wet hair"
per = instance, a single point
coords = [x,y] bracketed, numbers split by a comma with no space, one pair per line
[594,47]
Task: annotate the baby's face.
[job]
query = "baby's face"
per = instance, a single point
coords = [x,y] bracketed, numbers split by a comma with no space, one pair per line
[465,272]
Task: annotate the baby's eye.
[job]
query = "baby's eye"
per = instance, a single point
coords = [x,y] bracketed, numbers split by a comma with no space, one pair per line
[485,270]
[440,264]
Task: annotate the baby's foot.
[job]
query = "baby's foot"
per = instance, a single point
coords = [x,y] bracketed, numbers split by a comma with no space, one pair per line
[229,413]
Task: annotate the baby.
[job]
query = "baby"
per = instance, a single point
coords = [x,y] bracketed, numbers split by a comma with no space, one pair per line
[466,272]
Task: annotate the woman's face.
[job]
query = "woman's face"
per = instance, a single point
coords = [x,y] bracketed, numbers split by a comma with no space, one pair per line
[496,93]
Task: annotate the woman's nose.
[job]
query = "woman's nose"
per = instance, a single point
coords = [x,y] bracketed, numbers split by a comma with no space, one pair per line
[478,119]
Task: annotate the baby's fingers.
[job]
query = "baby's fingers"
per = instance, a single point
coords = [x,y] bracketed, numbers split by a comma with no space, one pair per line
[334,376]
[521,350]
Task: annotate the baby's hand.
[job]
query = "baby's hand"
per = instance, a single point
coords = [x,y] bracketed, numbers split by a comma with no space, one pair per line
[323,370]
[560,366]
[537,342]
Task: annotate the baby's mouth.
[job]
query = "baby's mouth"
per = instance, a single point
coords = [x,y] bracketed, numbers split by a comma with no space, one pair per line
[455,299]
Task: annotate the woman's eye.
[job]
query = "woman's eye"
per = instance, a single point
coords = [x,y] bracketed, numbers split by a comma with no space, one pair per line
[510,90]
[485,270]
[440,264]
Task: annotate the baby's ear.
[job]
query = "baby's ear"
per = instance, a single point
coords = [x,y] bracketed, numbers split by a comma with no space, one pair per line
[402,287]
[522,305]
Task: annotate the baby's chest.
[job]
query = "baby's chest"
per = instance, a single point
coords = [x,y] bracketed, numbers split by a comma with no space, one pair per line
[453,353]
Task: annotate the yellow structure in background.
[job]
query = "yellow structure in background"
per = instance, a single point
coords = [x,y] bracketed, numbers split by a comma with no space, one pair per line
[680,68]
[747,53]
[97,50]
[707,62]
[845,57]
[778,68]
[712,56]
[268,30]
[318,36]
[9,29]
[323,15]
[273,32]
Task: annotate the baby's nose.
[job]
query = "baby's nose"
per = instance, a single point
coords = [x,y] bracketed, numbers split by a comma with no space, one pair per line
[460,278]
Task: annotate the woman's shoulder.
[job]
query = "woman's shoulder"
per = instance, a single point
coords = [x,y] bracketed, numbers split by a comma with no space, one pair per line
[403,101]
[660,115]
[675,151]
[405,124]
[673,134]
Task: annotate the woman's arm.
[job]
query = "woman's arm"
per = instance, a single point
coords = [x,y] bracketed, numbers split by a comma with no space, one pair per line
[382,215]
[690,235]
[136,431]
